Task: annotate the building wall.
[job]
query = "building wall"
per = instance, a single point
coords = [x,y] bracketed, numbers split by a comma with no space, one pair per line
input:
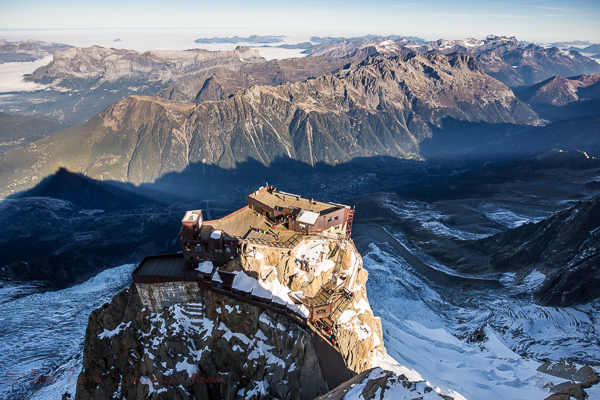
[158,296]
[260,207]
[219,251]
[326,221]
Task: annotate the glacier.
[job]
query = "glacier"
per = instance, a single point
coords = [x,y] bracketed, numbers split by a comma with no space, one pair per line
[42,334]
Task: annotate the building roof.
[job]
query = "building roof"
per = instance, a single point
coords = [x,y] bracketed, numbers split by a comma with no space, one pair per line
[163,265]
[281,200]
[243,224]
[308,217]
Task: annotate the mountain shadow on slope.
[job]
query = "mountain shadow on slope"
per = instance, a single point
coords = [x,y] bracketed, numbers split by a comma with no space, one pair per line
[507,141]
[565,247]
[87,193]
[70,227]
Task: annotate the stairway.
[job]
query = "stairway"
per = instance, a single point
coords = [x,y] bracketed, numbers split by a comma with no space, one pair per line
[340,304]
[337,255]
[349,223]
[194,312]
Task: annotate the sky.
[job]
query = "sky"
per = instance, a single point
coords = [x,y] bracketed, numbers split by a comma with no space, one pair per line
[531,20]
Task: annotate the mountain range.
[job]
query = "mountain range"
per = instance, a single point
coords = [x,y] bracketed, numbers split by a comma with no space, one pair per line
[82,81]
[382,106]
[504,58]
[470,250]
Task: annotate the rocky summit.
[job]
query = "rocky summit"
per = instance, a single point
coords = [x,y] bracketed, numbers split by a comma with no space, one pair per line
[205,338]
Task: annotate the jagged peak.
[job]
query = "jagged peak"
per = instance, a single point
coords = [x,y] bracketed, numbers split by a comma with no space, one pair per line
[496,38]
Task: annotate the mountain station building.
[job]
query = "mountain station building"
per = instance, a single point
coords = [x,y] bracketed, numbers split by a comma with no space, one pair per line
[270,218]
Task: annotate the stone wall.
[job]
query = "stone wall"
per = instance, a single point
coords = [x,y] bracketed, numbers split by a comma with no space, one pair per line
[158,296]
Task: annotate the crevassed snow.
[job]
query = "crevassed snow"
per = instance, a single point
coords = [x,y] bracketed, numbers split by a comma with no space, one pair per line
[31,327]
[421,322]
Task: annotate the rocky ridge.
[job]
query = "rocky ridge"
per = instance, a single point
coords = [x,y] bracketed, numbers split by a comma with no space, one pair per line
[559,91]
[563,248]
[81,66]
[379,384]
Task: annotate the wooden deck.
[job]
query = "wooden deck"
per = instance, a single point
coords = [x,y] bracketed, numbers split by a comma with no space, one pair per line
[322,298]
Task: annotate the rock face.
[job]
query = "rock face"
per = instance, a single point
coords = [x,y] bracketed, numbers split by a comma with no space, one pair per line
[212,348]
[379,384]
[358,332]
[174,340]
[81,67]
[378,107]
[559,91]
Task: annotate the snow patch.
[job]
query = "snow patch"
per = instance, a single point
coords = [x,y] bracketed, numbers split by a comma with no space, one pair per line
[185,366]
[118,329]
[534,279]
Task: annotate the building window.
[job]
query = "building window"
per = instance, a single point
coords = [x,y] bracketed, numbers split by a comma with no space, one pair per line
[336,218]
[227,249]
[187,247]
[206,249]
[191,258]
[198,248]
[218,251]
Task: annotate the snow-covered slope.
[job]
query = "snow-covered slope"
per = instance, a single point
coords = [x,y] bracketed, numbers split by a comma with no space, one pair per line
[427,327]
